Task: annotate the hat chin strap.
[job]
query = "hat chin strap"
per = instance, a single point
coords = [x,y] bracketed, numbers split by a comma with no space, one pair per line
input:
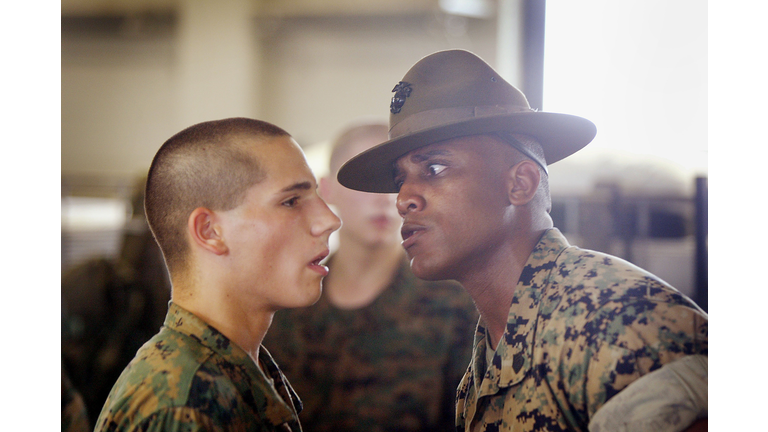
[442,116]
[514,142]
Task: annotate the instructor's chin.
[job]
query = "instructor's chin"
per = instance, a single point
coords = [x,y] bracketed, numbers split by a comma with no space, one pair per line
[425,272]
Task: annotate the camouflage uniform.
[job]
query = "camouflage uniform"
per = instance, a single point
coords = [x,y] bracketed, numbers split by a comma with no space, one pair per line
[582,326]
[668,399]
[190,377]
[393,365]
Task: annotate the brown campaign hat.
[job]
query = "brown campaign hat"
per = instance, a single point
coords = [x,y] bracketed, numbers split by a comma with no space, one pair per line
[451,94]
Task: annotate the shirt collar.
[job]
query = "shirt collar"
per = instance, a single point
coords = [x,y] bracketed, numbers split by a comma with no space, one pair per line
[270,381]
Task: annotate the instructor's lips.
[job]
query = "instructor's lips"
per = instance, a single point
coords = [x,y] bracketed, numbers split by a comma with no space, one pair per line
[411,233]
[315,263]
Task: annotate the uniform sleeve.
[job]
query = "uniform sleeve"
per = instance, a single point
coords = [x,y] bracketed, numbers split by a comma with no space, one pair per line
[628,340]
[668,399]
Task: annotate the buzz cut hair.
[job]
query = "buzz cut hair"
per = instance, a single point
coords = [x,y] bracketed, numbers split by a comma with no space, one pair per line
[206,165]
[351,134]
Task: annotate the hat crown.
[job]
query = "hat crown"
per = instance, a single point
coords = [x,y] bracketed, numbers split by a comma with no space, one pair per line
[451,79]
[453,94]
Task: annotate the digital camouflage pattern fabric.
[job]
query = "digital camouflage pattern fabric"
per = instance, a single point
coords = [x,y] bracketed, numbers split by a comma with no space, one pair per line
[190,377]
[393,365]
[582,326]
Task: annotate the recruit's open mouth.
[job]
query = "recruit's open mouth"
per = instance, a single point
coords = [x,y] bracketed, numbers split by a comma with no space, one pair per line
[320,257]
[316,266]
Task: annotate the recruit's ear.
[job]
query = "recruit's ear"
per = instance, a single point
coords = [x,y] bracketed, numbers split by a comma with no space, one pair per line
[205,231]
[523,182]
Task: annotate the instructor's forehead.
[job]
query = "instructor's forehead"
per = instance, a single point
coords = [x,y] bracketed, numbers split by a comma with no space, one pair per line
[423,154]
[451,147]
[419,155]
[440,148]
[485,150]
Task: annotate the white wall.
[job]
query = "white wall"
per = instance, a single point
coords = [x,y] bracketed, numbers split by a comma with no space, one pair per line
[320,74]
[116,103]
[124,93]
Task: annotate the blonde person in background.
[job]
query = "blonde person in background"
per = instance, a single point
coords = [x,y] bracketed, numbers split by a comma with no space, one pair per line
[381,350]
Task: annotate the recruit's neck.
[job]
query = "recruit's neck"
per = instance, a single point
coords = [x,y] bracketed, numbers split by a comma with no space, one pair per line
[241,323]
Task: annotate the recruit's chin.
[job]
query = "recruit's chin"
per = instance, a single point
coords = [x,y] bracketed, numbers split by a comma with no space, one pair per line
[309,294]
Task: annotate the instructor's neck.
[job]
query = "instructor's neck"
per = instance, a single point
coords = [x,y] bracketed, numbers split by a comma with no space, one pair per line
[492,287]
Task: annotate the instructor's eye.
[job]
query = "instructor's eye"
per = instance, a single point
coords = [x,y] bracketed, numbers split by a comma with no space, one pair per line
[399,180]
[435,168]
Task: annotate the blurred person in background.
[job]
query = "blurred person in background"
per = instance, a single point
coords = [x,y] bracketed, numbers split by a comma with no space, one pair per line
[74,415]
[234,208]
[563,330]
[111,307]
[381,350]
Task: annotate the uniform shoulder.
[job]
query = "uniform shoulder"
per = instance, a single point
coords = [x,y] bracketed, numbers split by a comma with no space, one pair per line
[174,418]
[158,378]
[605,278]
[617,302]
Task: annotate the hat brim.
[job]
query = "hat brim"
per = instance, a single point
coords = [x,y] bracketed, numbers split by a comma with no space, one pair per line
[560,135]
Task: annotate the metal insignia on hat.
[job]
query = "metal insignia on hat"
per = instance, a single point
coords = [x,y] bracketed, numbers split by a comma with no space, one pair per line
[402,90]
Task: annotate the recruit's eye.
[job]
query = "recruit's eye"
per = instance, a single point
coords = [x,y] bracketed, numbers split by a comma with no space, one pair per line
[291,202]
[435,168]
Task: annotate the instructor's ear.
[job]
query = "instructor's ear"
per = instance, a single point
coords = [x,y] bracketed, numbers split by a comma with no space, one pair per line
[205,231]
[523,182]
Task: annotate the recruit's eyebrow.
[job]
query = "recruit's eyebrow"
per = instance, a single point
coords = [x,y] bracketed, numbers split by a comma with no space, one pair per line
[297,186]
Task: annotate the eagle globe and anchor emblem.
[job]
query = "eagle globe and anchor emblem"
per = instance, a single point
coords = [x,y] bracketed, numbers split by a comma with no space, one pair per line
[402,90]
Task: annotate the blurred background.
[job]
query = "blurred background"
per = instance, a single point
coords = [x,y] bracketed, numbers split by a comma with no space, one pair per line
[134,72]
